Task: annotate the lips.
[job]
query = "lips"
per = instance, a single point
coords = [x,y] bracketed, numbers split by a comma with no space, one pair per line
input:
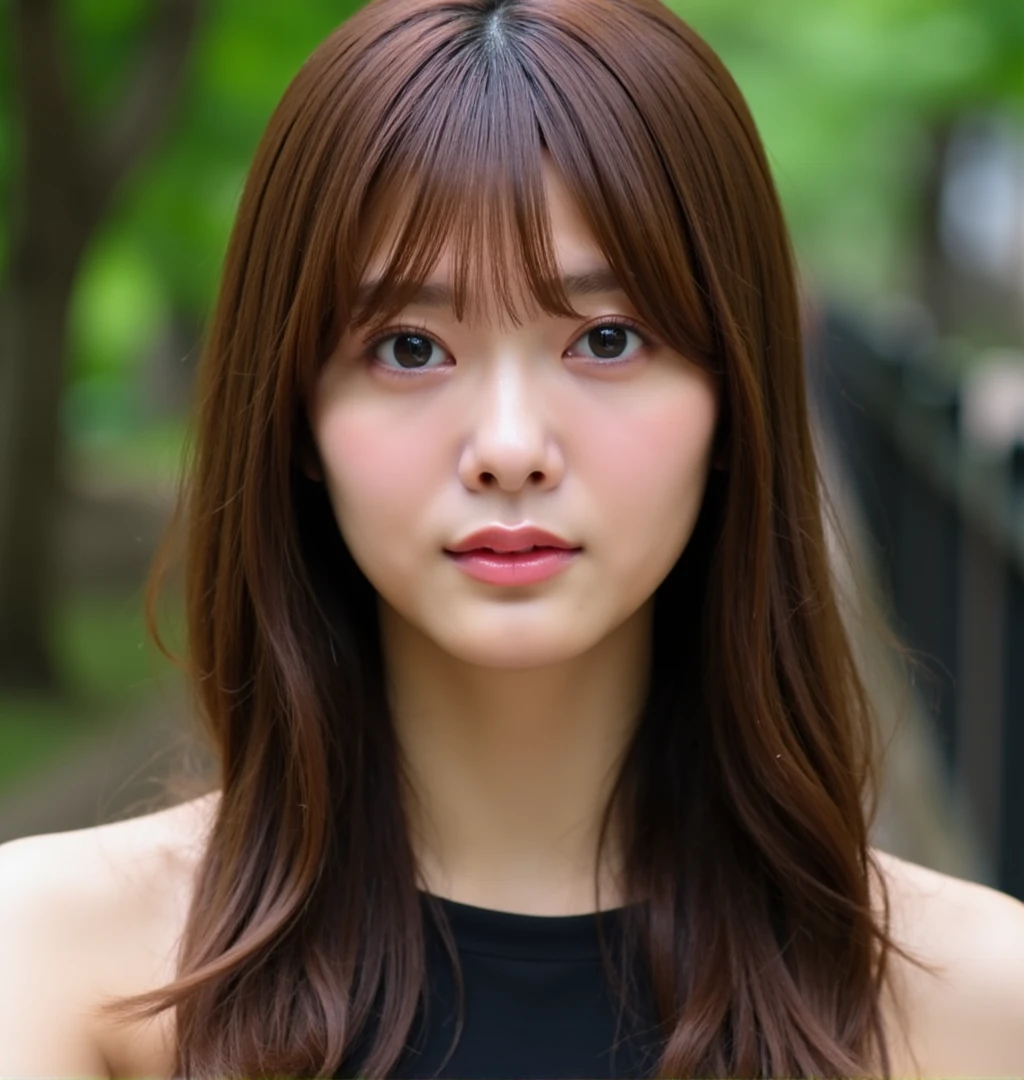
[520,551]
[508,569]
[503,540]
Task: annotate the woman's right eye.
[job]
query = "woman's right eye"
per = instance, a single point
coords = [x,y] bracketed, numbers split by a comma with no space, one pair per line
[404,352]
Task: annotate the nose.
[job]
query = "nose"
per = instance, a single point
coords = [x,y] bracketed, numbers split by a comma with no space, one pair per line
[510,444]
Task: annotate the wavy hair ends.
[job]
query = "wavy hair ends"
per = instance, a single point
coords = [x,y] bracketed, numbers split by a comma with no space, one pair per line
[424,124]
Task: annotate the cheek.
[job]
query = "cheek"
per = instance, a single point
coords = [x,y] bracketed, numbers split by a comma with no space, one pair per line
[376,471]
[652,464]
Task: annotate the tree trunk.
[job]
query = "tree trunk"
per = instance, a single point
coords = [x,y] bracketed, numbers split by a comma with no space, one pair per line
[62,186]
[35,319]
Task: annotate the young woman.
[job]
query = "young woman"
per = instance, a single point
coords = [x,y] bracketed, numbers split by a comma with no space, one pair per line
[541,747]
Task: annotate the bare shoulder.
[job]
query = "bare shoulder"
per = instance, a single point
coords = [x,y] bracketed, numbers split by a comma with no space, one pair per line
[963,1007]
[107,869]
[85,915]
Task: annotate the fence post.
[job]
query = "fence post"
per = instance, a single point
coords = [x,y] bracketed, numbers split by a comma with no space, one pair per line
[1011,846]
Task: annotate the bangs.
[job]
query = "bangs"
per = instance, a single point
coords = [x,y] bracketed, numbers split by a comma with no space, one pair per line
[495,231]
[452,162]
[463,177]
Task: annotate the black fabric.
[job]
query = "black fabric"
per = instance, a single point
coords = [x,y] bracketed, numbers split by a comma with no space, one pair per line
[538,1003]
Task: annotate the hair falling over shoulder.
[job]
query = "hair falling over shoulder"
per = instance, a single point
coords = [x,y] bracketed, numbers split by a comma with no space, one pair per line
[748,787]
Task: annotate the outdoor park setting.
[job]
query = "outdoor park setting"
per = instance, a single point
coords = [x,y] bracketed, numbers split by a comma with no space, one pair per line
[895,131]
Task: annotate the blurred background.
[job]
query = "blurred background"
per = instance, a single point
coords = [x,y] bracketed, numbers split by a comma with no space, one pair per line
[895,129]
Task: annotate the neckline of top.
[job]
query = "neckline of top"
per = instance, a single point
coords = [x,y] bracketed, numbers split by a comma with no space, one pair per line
[516,935]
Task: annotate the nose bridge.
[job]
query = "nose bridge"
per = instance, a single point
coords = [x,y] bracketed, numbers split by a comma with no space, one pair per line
[508,407]
[509,442]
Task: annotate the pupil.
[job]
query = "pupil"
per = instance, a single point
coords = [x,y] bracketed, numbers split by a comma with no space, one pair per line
[608,341]
[412,350]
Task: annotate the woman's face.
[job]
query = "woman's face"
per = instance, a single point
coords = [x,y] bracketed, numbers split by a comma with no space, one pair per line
[446,427]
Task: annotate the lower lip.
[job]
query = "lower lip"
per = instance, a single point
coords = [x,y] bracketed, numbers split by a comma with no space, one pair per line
[509,569]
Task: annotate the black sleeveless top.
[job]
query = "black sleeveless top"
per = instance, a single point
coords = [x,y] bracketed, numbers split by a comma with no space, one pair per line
[538,1003]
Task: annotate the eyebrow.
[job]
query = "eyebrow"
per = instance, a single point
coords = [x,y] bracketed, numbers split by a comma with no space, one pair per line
[588,283]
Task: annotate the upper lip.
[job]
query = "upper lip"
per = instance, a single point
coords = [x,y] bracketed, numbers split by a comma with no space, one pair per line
[499,538]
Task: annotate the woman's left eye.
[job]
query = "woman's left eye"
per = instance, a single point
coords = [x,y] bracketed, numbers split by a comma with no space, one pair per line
[610,342]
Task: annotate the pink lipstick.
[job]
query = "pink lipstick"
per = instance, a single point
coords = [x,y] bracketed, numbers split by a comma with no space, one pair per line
[524,555]
[502,568]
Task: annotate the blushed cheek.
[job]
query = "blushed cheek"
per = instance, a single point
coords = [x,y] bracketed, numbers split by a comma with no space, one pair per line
[375,472]
[653,469]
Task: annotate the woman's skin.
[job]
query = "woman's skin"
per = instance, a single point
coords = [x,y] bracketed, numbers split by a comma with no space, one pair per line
[511,706]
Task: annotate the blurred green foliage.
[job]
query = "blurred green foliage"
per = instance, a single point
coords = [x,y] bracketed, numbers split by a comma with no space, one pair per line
[107,665]
[161,250]
[844,94]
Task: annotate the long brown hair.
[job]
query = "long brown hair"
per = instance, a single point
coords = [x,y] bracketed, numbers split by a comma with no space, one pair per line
[748,787]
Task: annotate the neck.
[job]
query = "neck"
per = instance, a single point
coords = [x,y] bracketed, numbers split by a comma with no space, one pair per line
[509,770]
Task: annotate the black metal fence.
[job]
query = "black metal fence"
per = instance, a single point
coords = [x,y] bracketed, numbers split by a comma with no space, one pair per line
[947,522]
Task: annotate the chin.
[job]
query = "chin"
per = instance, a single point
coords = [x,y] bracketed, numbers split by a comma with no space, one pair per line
[512,654]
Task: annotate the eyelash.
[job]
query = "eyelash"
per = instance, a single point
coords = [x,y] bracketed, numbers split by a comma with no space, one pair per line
[386,335]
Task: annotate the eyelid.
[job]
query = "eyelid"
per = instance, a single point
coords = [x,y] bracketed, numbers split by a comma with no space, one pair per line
[626,322]
[371,346]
